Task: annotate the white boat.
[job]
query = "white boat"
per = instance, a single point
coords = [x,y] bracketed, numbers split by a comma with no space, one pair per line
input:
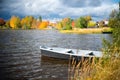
[63,53]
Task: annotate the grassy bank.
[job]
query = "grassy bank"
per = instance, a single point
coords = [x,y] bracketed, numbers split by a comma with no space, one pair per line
[87,30]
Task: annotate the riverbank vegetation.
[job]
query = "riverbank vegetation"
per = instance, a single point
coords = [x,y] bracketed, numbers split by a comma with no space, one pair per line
[88,30]
[83,24]
[105,68]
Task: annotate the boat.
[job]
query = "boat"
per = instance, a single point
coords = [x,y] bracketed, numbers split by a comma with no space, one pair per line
[63,53]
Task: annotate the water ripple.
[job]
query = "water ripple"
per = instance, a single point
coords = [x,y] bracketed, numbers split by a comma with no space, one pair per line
[20,57]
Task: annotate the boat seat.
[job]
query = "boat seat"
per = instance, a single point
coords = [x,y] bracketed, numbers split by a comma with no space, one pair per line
[91,54]
[69,51]
[51,49]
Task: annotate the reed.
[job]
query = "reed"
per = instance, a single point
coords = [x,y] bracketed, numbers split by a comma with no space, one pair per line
[102,69]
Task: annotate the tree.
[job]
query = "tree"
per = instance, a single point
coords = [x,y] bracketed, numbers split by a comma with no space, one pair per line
[91,24]
[7,24]
[59,25]
[114,21]
[40,18]
[67,23]
[73,24]
[26,22]
[77,23]
[88,18]
[43,25]
[81,23]
[2,22]
[15,22]
[35,24]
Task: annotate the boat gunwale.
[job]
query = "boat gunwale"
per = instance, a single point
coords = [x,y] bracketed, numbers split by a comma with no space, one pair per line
[52,49]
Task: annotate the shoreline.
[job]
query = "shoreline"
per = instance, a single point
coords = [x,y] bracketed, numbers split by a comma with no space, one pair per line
[105,30]
[88,31]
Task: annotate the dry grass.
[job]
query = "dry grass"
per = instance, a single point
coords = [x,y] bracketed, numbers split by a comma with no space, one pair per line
[87,30]
[97,69]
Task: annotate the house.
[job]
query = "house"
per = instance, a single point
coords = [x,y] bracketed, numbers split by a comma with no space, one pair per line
[106,23]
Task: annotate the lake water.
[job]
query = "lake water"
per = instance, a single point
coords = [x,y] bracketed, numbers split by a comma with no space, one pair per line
[20,57]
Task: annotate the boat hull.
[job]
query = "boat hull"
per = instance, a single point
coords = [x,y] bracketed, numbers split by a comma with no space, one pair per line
[62,53]
[62,56]
[54,54]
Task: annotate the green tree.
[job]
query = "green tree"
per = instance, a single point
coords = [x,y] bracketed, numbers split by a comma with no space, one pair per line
[115,21]
[81,23]
[7,24]
[68,24]
[40,18]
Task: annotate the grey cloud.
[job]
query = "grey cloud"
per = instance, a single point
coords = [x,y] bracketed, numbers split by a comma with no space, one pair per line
[56,8]
[1,1]
[81,3]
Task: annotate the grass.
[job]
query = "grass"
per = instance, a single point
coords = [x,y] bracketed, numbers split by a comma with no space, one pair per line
[87,30]
[96,70]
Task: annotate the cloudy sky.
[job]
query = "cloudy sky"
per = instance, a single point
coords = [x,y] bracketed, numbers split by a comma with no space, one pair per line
[57,9]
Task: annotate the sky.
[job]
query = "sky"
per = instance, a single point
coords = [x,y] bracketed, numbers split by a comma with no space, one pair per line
[57,9]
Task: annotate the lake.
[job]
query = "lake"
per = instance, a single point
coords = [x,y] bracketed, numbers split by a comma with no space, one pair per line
[20,57]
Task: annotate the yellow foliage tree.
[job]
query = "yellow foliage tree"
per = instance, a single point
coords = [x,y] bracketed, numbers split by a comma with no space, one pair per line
[88,18]
[43,25]
[64,21]
[59,25]
[15,22]
[91,24]
[35,24]
[27,22]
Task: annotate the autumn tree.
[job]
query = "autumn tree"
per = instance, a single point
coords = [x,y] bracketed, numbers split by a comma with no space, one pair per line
[59,25]
[35,24]
[7,24]
[91,24]
[43,25]
[73,24]
[26,22]
[2,22]
[88,18]
[67,23]
[15,22]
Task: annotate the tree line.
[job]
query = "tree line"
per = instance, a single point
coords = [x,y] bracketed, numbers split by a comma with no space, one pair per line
[28,22]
